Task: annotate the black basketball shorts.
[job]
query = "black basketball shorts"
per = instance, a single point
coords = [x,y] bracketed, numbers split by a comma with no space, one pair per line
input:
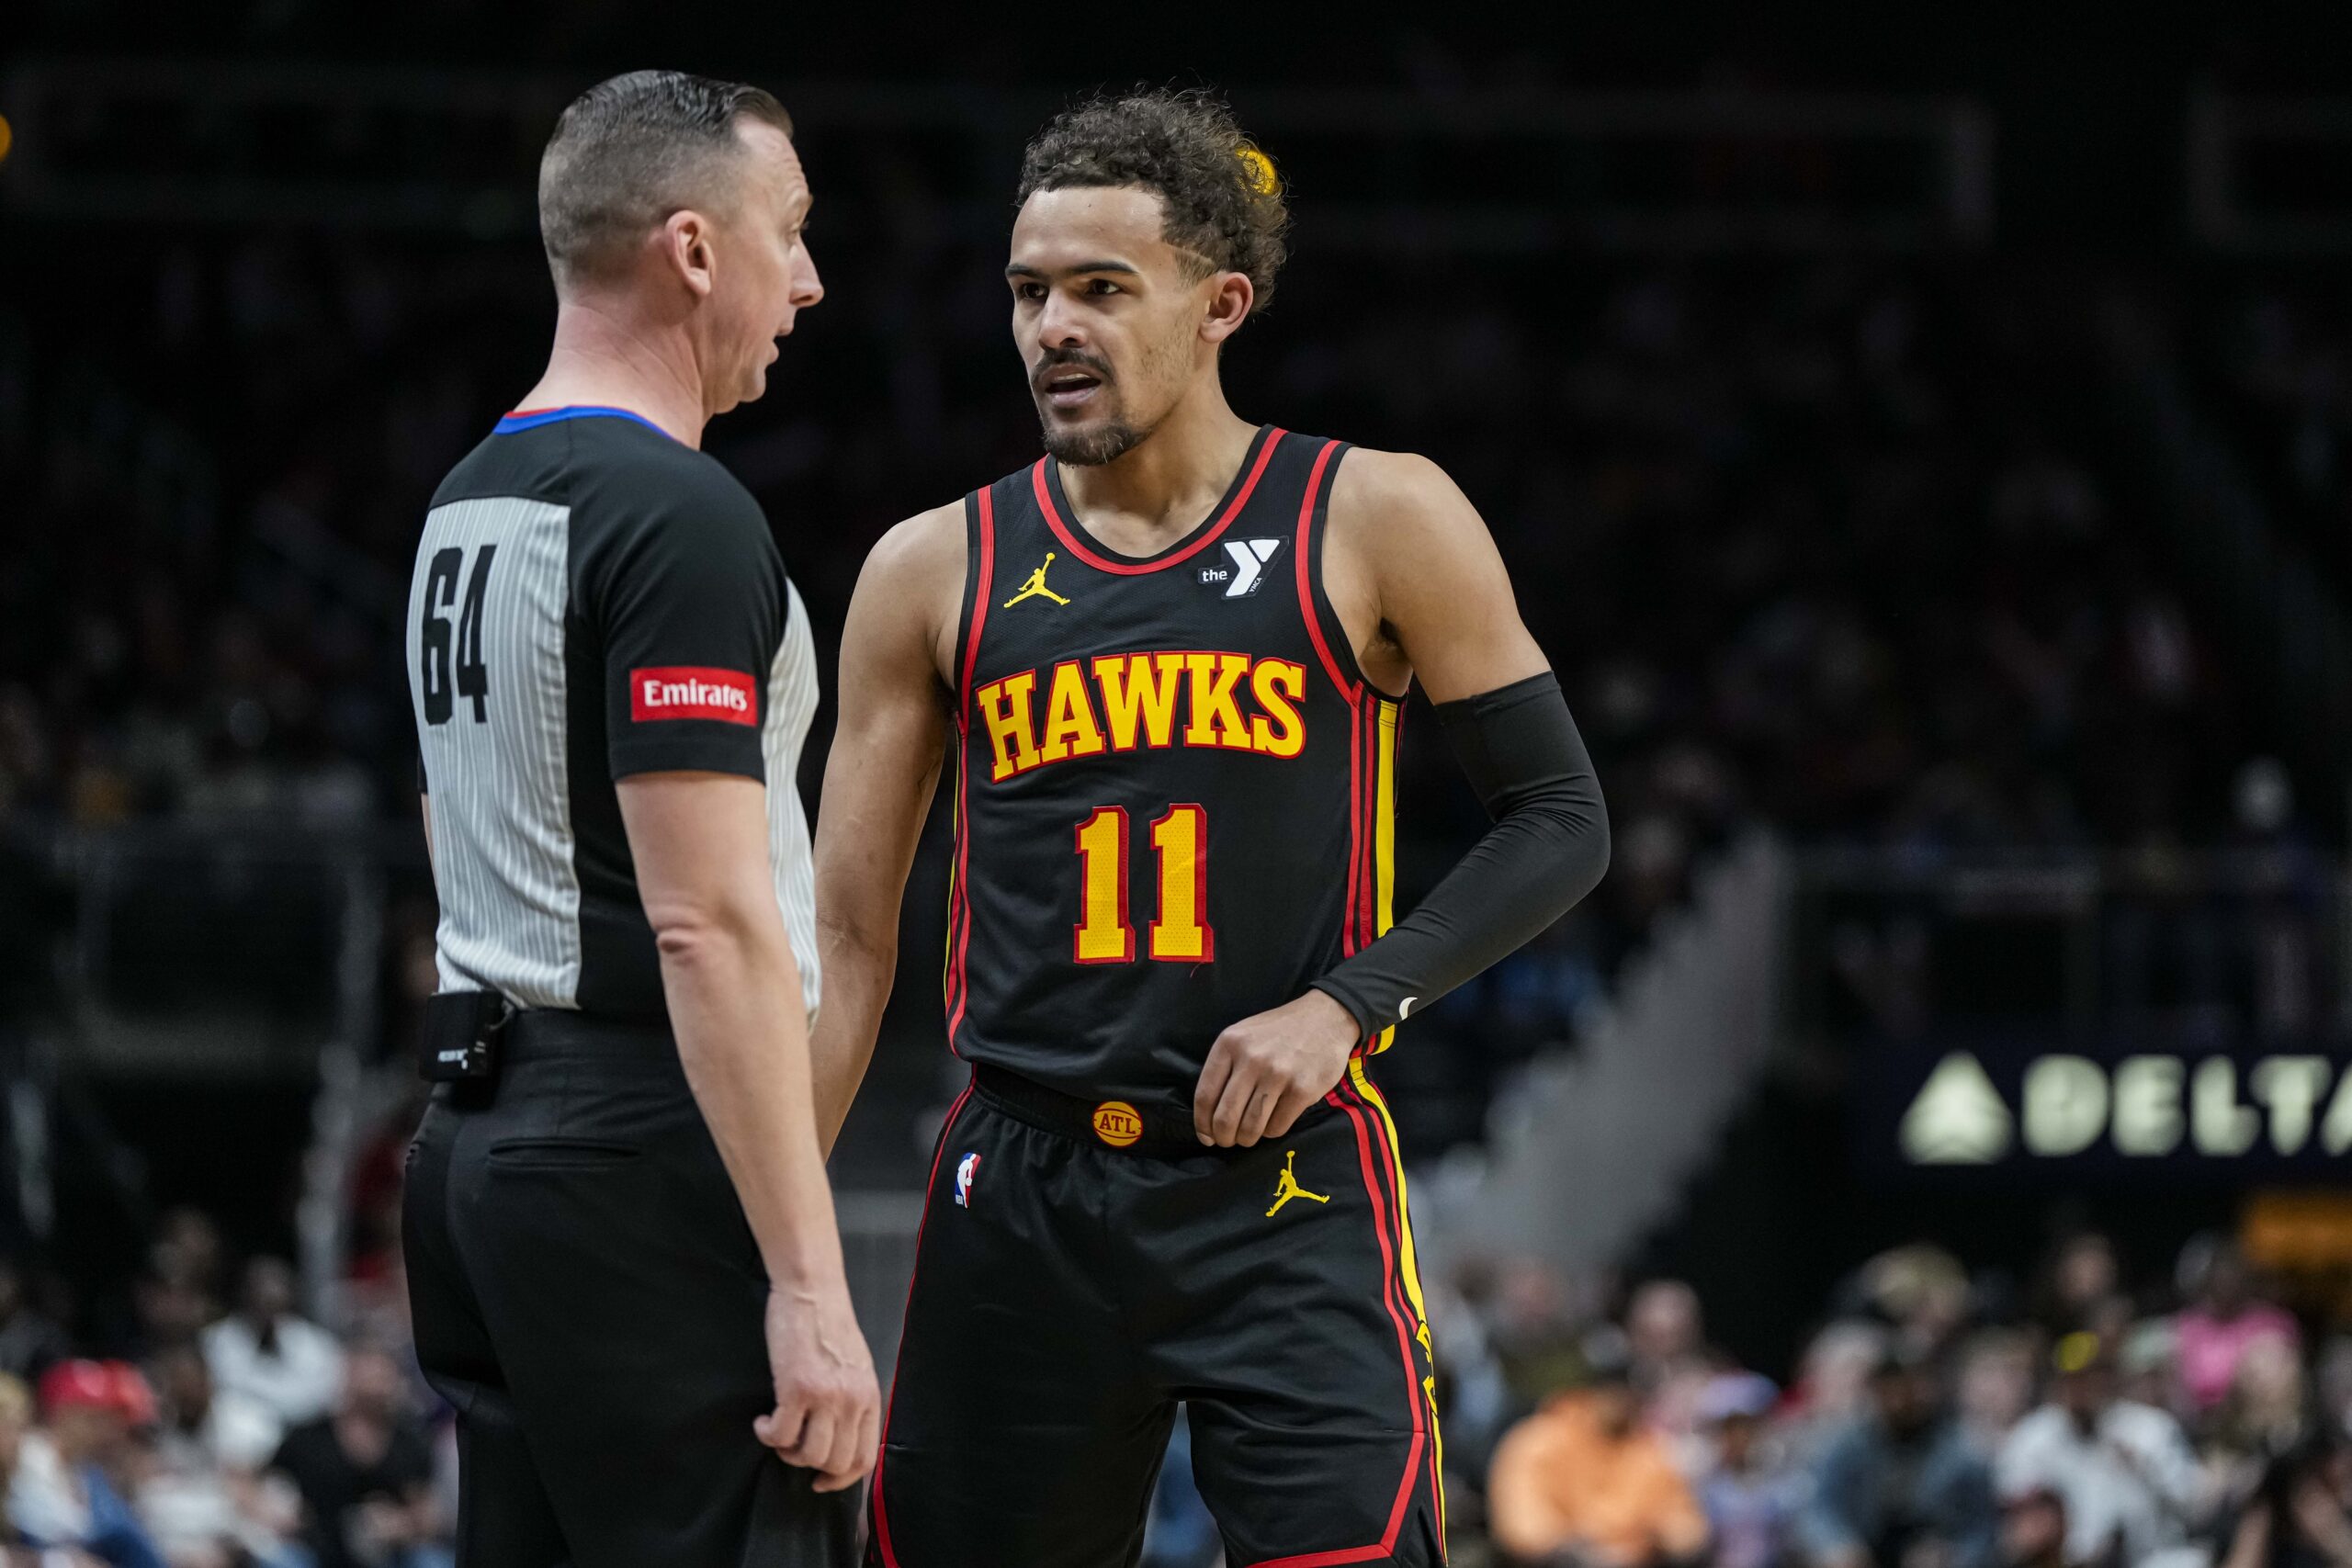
[1069,1291]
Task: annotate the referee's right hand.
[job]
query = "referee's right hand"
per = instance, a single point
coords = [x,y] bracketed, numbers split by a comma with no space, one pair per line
[828,1413]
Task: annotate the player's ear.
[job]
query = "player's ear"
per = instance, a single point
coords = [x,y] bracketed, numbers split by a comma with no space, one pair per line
[686,248]
[1230,297]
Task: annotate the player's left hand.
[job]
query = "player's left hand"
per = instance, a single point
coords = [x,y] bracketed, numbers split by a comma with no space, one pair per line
[1264,1071]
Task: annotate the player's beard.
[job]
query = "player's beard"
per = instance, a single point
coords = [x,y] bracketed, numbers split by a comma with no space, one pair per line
[1093,446]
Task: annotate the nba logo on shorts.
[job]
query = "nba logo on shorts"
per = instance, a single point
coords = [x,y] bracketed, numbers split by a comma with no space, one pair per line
[965,1171]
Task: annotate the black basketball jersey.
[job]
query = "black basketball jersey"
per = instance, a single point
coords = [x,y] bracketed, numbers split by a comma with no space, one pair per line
[1173,803]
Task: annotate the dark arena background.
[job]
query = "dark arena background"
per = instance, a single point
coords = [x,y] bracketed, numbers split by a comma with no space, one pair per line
[1921,440]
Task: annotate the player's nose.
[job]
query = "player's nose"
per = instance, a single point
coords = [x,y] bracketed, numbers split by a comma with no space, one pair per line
[1059,325]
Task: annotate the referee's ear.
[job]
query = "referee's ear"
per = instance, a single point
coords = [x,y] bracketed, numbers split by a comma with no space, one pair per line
[686,247]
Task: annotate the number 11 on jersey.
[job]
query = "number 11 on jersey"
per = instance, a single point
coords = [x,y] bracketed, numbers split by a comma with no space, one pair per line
[1180,843]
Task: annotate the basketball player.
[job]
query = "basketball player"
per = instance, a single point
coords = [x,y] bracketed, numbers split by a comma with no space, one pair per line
[622,1260]
[1170,658]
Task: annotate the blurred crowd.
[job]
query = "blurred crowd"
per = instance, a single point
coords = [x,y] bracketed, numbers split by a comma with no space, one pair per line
[1936,1419]
[215,1430]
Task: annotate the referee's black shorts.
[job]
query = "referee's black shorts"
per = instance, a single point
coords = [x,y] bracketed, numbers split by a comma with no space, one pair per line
[1071,1287]
[587,1294]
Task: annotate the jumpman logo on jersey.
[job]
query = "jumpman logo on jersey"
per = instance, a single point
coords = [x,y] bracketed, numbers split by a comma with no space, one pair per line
[1286,1187]
[1035,587]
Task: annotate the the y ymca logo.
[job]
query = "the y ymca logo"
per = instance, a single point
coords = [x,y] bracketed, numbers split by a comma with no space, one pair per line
[969,1167]
[1286,1187]
[1245,566]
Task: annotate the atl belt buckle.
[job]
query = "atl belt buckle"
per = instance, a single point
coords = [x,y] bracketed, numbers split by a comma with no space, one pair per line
[460,1036]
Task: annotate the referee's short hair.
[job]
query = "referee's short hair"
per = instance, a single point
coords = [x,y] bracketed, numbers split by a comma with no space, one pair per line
[631,151]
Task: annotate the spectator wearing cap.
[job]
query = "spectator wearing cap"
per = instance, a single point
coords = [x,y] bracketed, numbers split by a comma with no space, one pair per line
[62,1494]
[365,1474]
[263,1351]
[1900,1485]
[2124,1471]
[1751,1510]
[1580,1482]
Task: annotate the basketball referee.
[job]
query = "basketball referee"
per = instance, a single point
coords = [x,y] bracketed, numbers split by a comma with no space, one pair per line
[621,1249]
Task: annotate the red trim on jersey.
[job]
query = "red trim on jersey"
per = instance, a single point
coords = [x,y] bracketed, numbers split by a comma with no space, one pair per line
[1199,541]
[881,1515]
[1387,1542]
[985,590]
[961,934]
[1381,1135]
[1383,1149]
[1303,557]
[1327,1559]
[951,984]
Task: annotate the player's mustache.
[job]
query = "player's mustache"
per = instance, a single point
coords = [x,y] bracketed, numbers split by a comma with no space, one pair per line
[1067,358]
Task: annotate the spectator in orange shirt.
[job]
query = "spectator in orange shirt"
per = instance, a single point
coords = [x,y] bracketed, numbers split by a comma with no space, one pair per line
[1578,1484]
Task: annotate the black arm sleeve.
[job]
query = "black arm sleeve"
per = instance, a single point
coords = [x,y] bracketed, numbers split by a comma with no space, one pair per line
[1547,849]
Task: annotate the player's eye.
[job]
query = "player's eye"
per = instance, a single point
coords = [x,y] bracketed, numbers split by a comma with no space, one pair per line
[1101,286]
[1029,292]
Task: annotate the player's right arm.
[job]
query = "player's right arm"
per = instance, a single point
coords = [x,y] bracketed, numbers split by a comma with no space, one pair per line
[898,647]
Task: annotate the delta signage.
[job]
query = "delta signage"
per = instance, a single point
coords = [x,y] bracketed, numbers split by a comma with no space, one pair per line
[2010,1105]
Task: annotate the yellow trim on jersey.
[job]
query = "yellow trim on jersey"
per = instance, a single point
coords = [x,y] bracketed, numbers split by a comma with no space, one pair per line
[1384,841]
[1397,1163]
[1407,1257]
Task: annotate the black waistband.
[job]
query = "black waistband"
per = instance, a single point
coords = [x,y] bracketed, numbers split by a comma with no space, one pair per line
[540,1034]
[1106,1123]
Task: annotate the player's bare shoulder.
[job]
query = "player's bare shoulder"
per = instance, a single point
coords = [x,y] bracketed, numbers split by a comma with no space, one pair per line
[1386,500]
[910,591]
[1403,548]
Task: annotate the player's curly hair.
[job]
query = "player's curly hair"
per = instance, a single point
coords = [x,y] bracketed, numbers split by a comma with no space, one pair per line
[1223,199]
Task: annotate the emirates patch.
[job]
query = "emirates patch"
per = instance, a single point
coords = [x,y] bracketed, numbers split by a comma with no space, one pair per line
[686,692]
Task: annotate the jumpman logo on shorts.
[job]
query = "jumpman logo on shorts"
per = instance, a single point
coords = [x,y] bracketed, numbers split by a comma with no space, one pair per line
[1035,587]
[1286,1187]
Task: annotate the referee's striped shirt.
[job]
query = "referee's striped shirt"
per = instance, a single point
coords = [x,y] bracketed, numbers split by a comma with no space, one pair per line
[593,599]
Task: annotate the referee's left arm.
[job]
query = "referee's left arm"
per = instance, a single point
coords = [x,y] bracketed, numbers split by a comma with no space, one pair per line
[700,840]
[694,590]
